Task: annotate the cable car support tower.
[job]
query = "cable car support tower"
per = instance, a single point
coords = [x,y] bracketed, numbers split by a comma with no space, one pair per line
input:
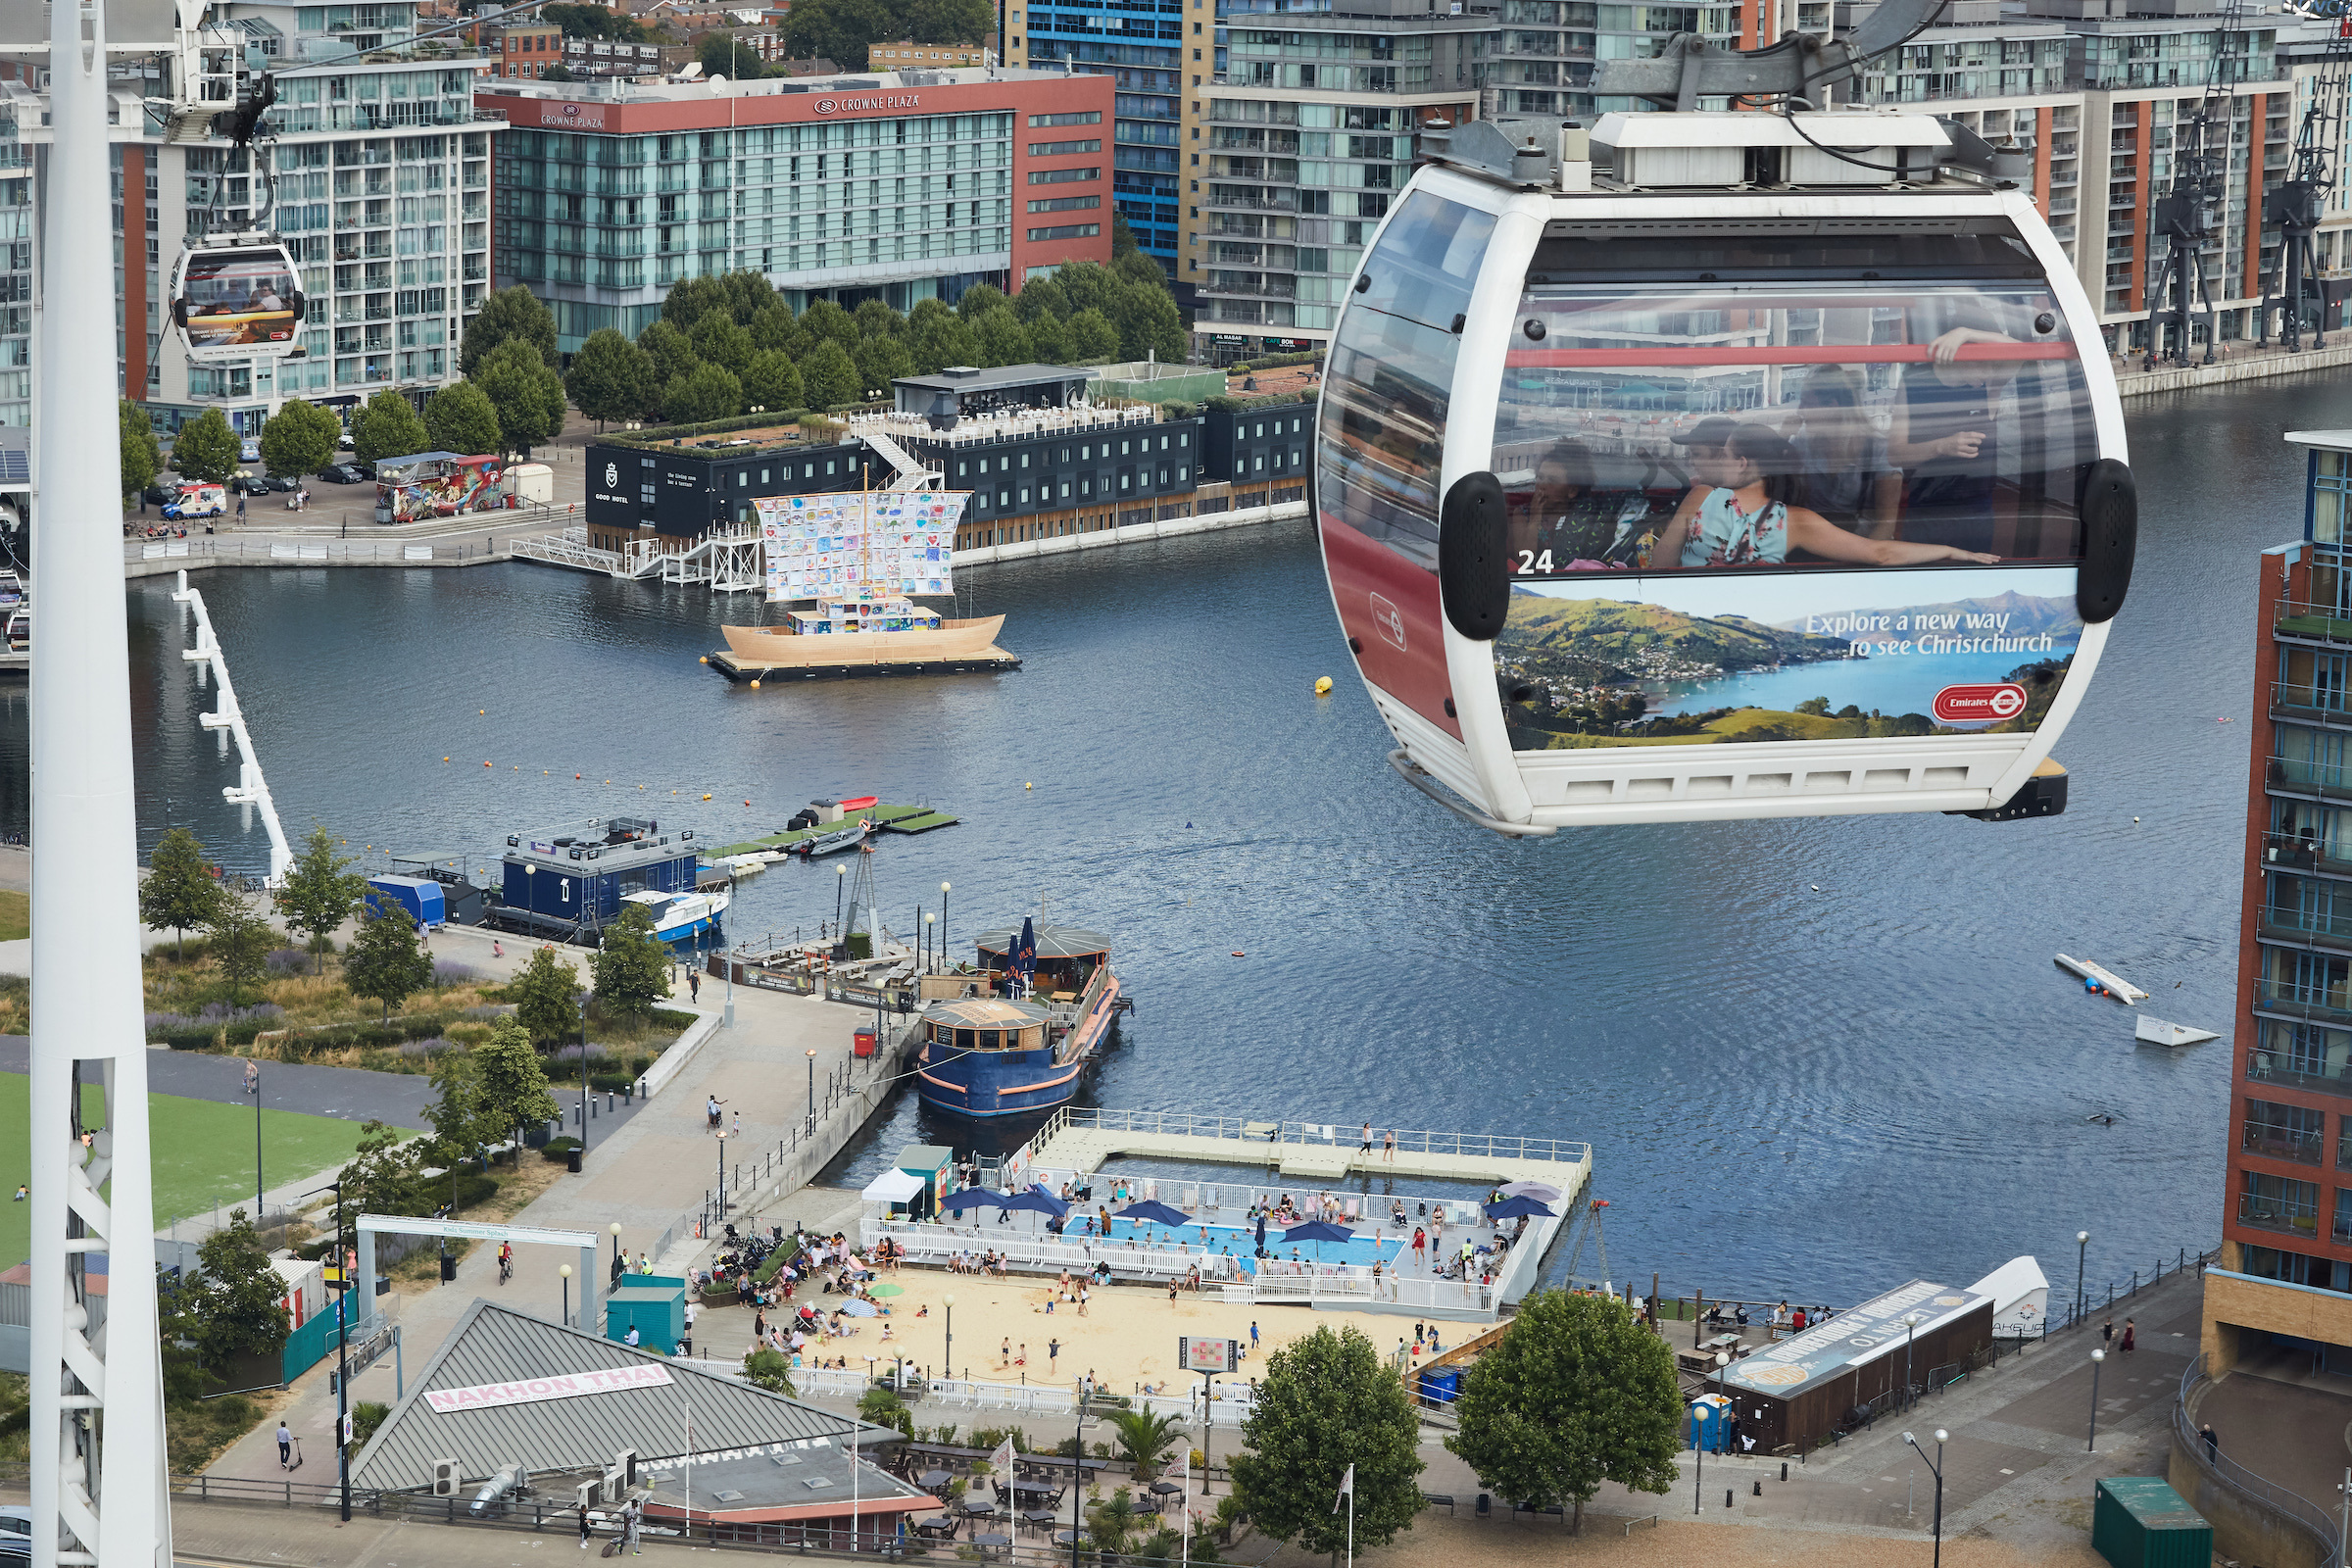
[2296,205]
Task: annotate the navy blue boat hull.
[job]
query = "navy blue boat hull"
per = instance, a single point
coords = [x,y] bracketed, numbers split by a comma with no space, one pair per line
[981,1084]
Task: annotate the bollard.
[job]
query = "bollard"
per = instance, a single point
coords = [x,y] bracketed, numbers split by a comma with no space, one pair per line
[1759,1492]
[1784,1469]
[1727,1496]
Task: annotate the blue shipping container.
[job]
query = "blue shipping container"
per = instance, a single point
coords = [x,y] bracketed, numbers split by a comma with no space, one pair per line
[421,896]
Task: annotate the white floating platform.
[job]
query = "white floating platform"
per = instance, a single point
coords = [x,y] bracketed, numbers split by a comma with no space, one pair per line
[2158,1032]
[2115,985]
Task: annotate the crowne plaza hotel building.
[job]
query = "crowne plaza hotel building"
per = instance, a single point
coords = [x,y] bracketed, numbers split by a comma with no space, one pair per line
[899,187]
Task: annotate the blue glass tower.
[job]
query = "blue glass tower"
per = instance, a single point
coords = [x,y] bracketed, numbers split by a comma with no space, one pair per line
[1141,45]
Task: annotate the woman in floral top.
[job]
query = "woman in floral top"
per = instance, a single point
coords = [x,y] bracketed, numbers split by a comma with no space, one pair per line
[1737,513]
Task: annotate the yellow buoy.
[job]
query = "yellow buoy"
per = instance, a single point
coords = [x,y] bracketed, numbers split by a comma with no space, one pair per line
[705,797]
[1028,786]
[445,759]
[755,685]
[485,711]
[1323,686]
[485,765]
[705,660]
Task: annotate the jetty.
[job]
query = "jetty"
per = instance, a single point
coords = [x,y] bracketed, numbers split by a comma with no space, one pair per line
[1081,1138]
[886,819]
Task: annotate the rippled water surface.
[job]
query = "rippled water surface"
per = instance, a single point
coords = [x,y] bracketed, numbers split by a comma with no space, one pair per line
[1788,1089]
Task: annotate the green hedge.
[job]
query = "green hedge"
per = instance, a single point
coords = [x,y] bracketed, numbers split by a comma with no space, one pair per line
[1275,362]
[557,1147]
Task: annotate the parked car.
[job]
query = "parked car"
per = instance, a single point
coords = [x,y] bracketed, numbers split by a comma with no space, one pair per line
[250,452]
[344,473]
[161,493]
[283,483]
[249,484]
[345,442]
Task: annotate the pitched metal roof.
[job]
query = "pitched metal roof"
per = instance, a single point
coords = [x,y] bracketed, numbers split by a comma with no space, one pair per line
[493,1345]
[1052,941]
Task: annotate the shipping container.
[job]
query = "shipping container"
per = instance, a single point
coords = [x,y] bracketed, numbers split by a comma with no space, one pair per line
[2142,1522]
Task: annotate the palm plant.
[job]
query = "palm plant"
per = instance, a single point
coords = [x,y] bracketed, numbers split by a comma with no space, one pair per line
[1145,1439]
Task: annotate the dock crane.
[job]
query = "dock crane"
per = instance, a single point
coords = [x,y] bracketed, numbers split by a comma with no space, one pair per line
[2186,214]
[2296,205]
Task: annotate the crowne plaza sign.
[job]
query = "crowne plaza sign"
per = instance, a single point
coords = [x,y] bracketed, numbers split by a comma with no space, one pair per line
[870,103]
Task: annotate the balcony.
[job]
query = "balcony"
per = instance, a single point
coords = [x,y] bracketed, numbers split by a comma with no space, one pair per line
[2267,1214]
[2287,1070]
[1281,202]
[2296,1001]
[2279,1142]
[2287,776]
[2311,623]
[2311,703]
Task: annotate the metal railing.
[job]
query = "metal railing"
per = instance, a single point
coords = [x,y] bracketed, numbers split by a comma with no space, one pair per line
[1249,1134]
[2293,1508]
[2317,622]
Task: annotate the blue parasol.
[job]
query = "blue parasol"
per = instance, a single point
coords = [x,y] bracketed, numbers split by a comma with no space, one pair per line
[1155,1213]
[1262,1232]
[1037,1200]
[1514,1206]
[972,1198]
[1318,1232]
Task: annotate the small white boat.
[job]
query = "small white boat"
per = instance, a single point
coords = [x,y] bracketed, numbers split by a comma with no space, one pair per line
[848,836]
[2106,980]
[682,917]
[2158,1032]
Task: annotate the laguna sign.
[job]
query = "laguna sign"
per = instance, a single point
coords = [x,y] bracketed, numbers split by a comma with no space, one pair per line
[530,1391]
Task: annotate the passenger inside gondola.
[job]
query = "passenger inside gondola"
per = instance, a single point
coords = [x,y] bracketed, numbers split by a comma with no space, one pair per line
[1739,512]
[1945,438]
[1844,471]
[1567,523]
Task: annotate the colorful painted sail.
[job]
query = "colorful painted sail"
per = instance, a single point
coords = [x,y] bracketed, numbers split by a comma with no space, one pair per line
[872,545]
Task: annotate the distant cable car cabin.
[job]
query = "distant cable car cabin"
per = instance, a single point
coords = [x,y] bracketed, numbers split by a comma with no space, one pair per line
[1715,466]
[237,297]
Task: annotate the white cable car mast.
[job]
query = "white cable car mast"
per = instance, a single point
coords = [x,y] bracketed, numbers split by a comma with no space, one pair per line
[98,1478]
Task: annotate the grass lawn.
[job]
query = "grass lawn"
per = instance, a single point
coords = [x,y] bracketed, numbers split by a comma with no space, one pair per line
[16,916]
[202,1150]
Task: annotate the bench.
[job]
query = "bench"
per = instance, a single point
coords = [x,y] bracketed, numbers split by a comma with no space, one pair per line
[1530,1511]
[1432,1499]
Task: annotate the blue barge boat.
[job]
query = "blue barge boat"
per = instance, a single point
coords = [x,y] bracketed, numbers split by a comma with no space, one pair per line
[995,1055]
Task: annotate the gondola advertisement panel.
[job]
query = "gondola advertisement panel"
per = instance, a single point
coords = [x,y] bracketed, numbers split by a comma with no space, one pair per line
[236,304]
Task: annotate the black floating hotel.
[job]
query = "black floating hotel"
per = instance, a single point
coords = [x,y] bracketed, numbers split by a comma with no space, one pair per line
[569,882]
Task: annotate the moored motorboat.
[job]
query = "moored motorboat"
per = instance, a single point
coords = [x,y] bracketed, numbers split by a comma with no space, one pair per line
[847,836]
[681,916]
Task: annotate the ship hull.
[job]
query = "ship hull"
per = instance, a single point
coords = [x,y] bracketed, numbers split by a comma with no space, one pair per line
[759,647]
[981,1084]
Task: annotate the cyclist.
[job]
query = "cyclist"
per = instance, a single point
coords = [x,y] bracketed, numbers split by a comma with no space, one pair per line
[506,1261]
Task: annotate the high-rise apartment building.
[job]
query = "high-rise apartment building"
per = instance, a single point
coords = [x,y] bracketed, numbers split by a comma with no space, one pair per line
[900,187]
[1146,48]
[2284,1285]
[375,171]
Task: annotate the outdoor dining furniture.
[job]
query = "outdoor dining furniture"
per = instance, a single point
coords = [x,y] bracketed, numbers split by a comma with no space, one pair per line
[989,1543]
[932,1479]
[1066,1537]
[1039,1519]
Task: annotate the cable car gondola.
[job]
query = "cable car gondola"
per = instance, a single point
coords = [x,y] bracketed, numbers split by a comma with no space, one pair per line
[1722,465]
[237,297]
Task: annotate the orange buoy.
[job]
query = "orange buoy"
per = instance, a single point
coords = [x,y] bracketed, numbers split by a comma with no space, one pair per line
[1239,954]
[485,765]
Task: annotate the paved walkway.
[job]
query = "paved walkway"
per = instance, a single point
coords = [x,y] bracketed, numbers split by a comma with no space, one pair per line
[347,1094]
[646,1175]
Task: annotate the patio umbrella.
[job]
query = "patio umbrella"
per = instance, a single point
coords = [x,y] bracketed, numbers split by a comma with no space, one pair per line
[1513,1208]
[886,1289]
[972,1198]
[1156,1214]
[1262,1232]
[1035,1200]
[1318,1232]
[856,1309]
[1541,1192]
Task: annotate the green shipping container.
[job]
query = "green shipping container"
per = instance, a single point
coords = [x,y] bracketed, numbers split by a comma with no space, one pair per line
[2142,1522]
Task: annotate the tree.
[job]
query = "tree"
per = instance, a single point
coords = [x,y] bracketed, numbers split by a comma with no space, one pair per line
[749,295]
[1050,341]
[1038,299]
[875,317]
[940,340]
[179,889]
[558,73]
[611,377]
[826,320]
[142,454]
[461,1124]
[963,21]
[299,438]
[1137,267]
[978,300]
[234,1309]
[594,22]
[689,300]
[458,419]
[526,398]
[1122,239]
[1326,1402]
[1145,1439]
[319,892]
[240,941]
[546,997]
[1089,335]
[722,54]
[1576,1394]
[510,314]
[772,381]
[882,1407]
[1148,321]
[718,340]
[763,1368]
[830,377]
[706,392]
[631,965]
[664,343]
[510,1085]
[206,448]
[382,1178]
[387,426]
[880,361]
[772,328]
[838,30]
[385,963]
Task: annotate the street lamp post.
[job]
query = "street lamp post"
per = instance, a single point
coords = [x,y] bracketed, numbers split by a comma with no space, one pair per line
[617,1263]
[813,1091]
[1723,1359]
[722,1175]
[943,925]
[930,948]
[2091,1443]
[584,1089]
[951,1358]
[564,1269]
[2081,1251]
[1078,1476]
[257,1140]
[1935,1468]
[1910,1327]
[1698,1476]
[841,876]
[342,1349]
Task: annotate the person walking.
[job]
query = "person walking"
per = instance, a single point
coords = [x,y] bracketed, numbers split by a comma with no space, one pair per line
[2131,1335]
[737,1132]
[632,1522]
[583,1512]
[2107,1334]
[1253,1336]
[1388,1147]
[2212,1443]
[253,1077]
[285,1446]
[694,985]
[1052,1355]
[1367,1141]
